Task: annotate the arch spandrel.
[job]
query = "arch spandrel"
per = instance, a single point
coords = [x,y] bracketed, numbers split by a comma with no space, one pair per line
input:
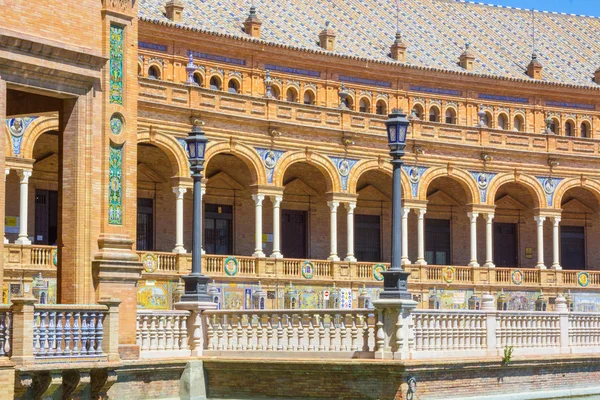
[464,178]
[245,153]
[322,163]
[171,147]
[375,165]
[567,184]
[534,186]
[37,128]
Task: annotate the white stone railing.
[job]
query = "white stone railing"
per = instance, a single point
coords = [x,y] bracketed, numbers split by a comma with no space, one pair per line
[68,330]
[5,330]
[297,333]
[163,333]
[443,330]
[584,331]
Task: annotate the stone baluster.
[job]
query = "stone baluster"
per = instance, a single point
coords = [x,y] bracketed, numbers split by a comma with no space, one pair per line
[184,333]
[311,334]
[210,332]
[168,332]
[270,333]
[301,331]
[250,333]
[321,321]
[354,334]
[145,334]
[162,335]
[99,332]
[3,331]
[68,334]
[260,345]
[240,334]
[279,332]
[343,332]
[331,333]
[380,334]
[52,333]
[153,333]
[84,333]
[229,327]
[76,333]
[177,333]
[365,332]
[44,333]
[221,330]
[290,332]
[36,333]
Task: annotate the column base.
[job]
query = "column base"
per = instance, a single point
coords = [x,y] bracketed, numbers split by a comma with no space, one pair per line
[258,254]
[395,285]
[556,267]
[22,241]
[405,261]
[179,250]
[350,259]
[421,262]
[540,266]
[489,264]
[196,289]
[276,254]
[333,258]
[474,264]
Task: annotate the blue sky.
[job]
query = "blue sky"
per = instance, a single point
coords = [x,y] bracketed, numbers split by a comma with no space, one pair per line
[582,7]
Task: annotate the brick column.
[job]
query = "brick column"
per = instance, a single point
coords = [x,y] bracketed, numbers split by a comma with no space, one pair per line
[3,145]
[6,172]
[110,344]
[22,329]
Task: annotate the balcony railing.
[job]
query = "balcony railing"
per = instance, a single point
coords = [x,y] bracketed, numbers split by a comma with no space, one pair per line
[163,333]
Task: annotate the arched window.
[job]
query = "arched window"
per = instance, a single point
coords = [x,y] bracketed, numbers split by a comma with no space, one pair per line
[309,97]
[487,119]
[450,116]
[349,102]
[418,111]
[554,126]
[502,121]
[233,86]
[518,124]
[276,92]
[585,130]
[198,79]
[569,129]
[364,105]
[434,114]
[381,107]
[291,95]
[215,83]
[153,72]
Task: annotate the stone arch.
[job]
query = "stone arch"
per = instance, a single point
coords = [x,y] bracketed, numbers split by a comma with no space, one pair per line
[322,163]
[245,153]
[534,186]
[464,178]
[36,129]
[571,183]
[171,147]
[368,165]
[156,64]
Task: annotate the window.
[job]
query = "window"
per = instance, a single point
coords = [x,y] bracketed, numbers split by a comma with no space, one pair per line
[450,116]
[554,126]
[218,233]
[145,224]
[585,130]
[291,95]
[309,97]
[215,83]
[418,111]
[198,79]
[518,123]
[486,119]
[275,92]
[434,114]
[437,241]
[364,105]
[153,72]
[502,121]
[381,108]
[233,86]
[569,129]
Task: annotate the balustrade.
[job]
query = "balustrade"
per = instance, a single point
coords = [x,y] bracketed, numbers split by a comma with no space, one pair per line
[163,333]
[5,330]
[584,330]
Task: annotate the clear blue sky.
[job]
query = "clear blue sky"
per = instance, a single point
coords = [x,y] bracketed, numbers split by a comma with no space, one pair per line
[582,7]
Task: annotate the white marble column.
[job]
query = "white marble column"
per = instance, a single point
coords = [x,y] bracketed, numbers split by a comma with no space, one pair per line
[179,192]
[556,243]
[473,218]
[405,260]
[421,236]
[489,252]
[350,207]
[6,172]
[276,226]
[258,199]
[23,207]
[333,205]
[540,241]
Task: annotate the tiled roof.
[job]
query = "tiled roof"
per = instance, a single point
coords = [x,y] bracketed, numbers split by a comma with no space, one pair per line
[435,32]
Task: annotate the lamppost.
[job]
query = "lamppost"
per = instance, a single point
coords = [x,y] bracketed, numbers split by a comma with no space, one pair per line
[395,280]
[196,284]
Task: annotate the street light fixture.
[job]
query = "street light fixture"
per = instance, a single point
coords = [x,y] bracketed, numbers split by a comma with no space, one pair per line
[196,284]
[395,280]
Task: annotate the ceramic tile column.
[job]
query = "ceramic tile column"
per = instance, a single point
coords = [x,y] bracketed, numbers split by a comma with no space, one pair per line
[350,207]
[179,193]
[276,226]
[421,236]
[6,172]
[24,174]
[333,205]
[540,241]
[258,199]
[405,260]
[489,254]
[473,219]
[556,243]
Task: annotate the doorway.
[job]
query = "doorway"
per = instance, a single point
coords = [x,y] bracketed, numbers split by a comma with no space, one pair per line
[505,244]
[46,217]
[572,247]
[145,224]
[437,241]
[294,233]
[367,238]
[218,229]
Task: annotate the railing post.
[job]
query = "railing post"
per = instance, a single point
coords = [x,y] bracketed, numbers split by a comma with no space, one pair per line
[562,308]
[110,342]
[197,327]
[394,335]
[22,329]
[488,304]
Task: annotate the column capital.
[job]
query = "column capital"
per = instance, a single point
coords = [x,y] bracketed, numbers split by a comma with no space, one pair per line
[350,206]
[179,191]
[405,212]
[420,212]
[540,219]
[258,199]
[24,174]
[276,200]
[333,205]
[556,220]
[489,217]
[473,216]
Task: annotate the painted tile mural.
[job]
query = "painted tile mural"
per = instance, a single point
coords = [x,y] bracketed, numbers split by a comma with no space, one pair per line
[586,302]
[115,187]
[155,295]
[116,64]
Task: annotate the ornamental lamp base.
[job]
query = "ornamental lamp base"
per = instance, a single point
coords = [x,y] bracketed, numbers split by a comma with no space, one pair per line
[395,285]
[196,288]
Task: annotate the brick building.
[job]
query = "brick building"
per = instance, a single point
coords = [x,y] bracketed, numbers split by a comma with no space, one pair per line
[500,166]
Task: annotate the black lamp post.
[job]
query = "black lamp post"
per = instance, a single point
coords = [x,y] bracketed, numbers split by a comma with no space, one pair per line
[196,284]
[395,280]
